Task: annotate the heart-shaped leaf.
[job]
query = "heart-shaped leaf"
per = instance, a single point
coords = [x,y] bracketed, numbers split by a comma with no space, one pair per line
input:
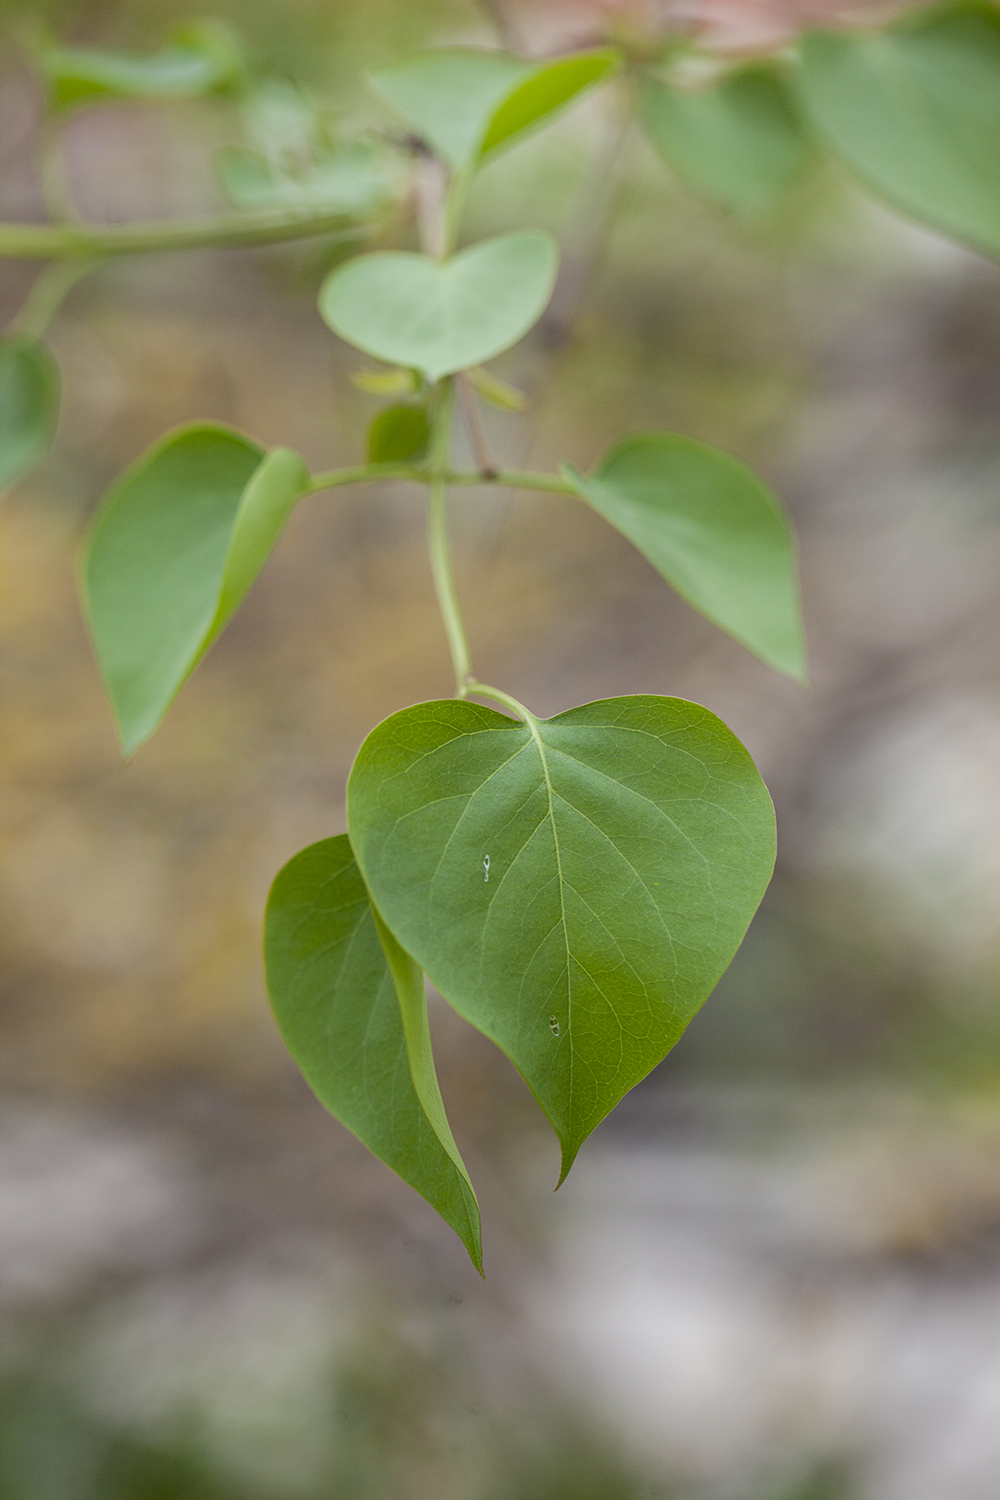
[29,406]
[574,886]
[398,434]
[353,1012]
[740,141]
[176,545]
[442,316]
[467,103]
[915,111]
[204,57]
[713,531]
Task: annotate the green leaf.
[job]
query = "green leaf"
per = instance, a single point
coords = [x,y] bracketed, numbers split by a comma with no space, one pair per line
[29,406]
[740,141]
[204,58]
[574,886]
[442,316]
[714,532]
[174,548]
[449,95]
[546,90]
[353,1012]
[398,434]
[468,104]
[915,111]
[355,179]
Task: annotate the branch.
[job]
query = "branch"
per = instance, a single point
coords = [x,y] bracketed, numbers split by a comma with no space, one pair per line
[213,231]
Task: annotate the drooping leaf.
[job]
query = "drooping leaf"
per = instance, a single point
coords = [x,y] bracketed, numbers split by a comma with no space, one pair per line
[29,406]
[398,433]
[356,179]
[174,548]
[740,141]
[442,316]
[204,57]
[915,112]
[714,532]
[467,103]
[574,886]
[352,1008]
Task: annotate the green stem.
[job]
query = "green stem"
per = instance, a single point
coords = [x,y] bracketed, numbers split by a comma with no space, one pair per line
[48,291]
[437,536]
[366,474]
[480,690]
[211,231]
[511,479]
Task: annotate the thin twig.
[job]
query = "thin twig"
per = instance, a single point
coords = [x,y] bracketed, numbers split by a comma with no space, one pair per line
[474,426]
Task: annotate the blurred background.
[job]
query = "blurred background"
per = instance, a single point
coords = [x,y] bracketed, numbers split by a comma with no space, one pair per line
[773,1273]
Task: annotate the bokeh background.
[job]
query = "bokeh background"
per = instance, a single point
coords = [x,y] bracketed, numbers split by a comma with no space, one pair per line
[773,1273]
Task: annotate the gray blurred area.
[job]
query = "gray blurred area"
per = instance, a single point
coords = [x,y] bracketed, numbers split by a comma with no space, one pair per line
[773,1273]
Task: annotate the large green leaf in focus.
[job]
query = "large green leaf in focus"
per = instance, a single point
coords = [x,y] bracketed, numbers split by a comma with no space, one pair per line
[915,111]
[352,1009]
[442,316]
[714,532]
[739,141]
[174,548]
[203,58]
[574,886]
[29,406]
[467,103]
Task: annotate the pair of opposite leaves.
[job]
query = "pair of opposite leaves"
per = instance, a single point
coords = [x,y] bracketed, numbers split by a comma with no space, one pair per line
[913,110]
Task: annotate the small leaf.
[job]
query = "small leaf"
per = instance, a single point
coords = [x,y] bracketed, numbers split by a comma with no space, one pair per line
[449,95]
[714,532]
[355,179]
[498,392]
[468,104]
[204,58]
[29,406]
[915,111]
[574,886]
[740,141]
[352,1009]
[174,548]
[398,382]
[397,434]
[543,93]
[442,316]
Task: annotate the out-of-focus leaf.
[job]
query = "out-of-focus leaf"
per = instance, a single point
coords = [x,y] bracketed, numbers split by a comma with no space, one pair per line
[498,392]
[204,58]
[356,179]
[174,548]
[397,434]
[352,1008]
[398,382]
[29,406]
[543,93]
[740,141]
[915,112]
[442,316]
[469,104]
[714,532]
[574,886]
[448,96]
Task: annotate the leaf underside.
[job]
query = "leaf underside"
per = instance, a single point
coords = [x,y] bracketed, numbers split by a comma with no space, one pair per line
[715,534]
[915,112]
[342,1020]
[29,406]
[575,888]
